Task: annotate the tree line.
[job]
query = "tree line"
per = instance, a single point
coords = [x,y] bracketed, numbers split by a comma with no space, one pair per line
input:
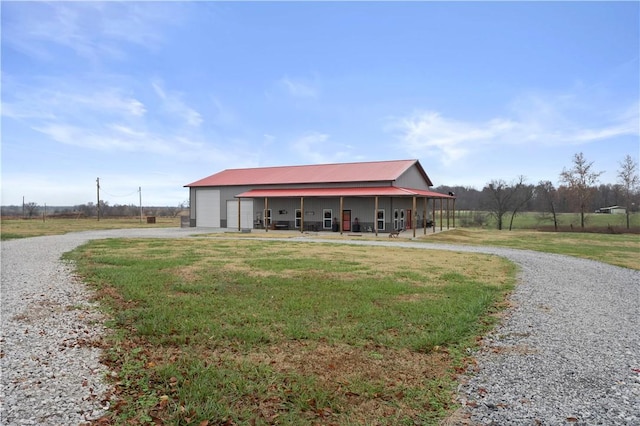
[90,209]
[579,191]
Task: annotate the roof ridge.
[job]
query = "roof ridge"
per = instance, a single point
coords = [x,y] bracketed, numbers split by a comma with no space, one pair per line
[323,164]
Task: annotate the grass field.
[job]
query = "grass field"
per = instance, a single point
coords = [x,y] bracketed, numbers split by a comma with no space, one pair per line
[533,220]
[615,249]
[24,228]
[266,332]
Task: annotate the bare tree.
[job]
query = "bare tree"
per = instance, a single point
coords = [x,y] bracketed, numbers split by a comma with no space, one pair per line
[498,196]
[580,180]
[31,208]
[549,194]
[629,180]
[523,194]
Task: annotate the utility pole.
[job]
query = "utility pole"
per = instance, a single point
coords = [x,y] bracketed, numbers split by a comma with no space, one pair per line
[98,204]
[140,191]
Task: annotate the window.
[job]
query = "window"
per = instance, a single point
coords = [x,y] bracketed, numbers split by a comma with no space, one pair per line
[327,218]
[380,220]
[298,218]
[401,223]
[267,217]
[396,216]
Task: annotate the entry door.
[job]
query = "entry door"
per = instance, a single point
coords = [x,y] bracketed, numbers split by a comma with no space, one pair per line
[346,220]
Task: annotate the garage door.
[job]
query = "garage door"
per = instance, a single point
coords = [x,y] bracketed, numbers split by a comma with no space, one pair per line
[208,208]
[246,214]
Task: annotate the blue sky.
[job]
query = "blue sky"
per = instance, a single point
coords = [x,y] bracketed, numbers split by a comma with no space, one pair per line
[158,95]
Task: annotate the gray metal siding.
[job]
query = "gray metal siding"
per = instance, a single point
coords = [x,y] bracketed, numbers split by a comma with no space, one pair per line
[412,178]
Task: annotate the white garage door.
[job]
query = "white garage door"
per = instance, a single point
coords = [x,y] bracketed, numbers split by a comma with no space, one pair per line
[208,208]
[246,214]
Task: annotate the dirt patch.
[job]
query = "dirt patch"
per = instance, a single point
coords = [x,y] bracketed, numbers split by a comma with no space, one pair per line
[342,364]
[366,377]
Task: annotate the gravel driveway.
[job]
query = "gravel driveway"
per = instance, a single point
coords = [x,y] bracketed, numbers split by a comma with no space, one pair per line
[567,353]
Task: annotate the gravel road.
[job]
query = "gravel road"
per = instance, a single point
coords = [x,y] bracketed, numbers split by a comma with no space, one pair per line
[568,352]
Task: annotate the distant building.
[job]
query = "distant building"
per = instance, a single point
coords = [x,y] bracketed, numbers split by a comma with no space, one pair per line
[612,210]
[370,196]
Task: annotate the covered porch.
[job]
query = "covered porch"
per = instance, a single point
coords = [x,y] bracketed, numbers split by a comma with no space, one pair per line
[387,209]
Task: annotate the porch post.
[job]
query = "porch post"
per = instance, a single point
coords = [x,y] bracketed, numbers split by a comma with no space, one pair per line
[454,212]
[266,212]
[239,215]
[441,205]
[341,213]
[448,213]
[424,216]
[301,214]
[413,219]
[433,214]
[375,216]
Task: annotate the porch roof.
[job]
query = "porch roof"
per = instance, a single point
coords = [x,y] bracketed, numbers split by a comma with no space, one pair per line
[381,191]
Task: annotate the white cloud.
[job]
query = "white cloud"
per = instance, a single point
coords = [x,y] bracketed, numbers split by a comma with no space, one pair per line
[96,116]
[59,101]
[310,145]
[552,121]
[317,148]
[299,88]
[94,31]
[174,105]
[430,134]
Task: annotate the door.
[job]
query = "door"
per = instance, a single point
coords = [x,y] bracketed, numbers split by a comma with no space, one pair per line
[298,219]
[346,220]
[380,220]
[327,221]
[246,214]
[208,208]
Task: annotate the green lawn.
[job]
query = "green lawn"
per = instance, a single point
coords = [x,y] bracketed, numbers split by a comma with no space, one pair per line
[266,332]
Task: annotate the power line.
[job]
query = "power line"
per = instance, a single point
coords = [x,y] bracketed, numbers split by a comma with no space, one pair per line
[120,196]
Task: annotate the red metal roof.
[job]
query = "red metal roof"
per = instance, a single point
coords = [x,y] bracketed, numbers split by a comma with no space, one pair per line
[378,171]
[383,191]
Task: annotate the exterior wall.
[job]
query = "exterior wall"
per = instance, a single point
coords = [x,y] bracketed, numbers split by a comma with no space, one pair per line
[412,178]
